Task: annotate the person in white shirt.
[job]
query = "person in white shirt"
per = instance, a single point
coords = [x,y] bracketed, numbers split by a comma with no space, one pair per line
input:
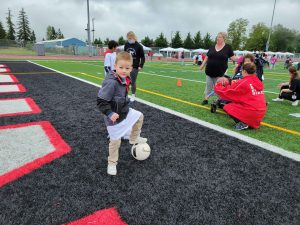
[110,57]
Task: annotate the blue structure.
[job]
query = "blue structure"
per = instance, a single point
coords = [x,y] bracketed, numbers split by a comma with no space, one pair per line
[62,43]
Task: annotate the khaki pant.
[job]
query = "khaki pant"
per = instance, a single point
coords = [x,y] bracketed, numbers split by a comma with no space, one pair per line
[114,145]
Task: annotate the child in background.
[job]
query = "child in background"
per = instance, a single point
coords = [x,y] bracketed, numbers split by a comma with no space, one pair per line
[113,102]
[110,57]
[248,58]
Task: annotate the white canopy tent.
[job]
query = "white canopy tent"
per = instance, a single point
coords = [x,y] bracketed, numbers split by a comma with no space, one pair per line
[200,50]
[167,50]
[181,50]
[144,47]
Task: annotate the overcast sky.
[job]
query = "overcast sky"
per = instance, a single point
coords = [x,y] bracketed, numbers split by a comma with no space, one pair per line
[114,18]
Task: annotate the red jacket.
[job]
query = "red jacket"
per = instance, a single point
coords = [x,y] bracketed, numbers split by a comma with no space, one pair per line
[248,100]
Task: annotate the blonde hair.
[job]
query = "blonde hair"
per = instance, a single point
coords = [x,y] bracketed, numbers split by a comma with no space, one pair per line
[224,35]
[131,33]
[124,56]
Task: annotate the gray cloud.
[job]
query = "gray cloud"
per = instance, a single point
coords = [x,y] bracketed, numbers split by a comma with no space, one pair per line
[149,17]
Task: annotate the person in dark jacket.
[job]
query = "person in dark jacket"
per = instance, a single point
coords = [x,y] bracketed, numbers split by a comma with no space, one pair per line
[137,52]
[290,90]
[120,119]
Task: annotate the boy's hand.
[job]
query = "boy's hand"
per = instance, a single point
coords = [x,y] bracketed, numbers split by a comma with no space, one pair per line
[114,117]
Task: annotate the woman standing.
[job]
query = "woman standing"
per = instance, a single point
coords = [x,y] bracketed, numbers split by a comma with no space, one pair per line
[216,62]
[137,52]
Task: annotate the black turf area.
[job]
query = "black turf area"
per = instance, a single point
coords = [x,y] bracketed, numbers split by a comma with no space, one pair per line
[194,176]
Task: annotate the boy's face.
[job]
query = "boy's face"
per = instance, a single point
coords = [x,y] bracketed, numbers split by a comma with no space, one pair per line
[123,68]
[114,49]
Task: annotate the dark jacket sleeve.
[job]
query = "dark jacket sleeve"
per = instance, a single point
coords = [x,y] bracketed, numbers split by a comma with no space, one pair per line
[142,55]
[104,106]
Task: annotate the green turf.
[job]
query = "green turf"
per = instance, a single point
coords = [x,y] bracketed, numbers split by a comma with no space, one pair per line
[17,51]
[192,91]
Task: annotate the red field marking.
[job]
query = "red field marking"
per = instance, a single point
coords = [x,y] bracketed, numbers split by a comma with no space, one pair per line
[102,217]
[60,149]
[13,78]
[3,65]
[21,88]
[33,106]
[5,70]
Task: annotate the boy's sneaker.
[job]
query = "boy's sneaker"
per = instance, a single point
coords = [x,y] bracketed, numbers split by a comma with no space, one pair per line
[241,126]
[295,103]
[112,169]
[277,100]
[139,140]
[204,102]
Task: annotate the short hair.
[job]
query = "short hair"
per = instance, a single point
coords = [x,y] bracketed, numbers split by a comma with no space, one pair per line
[224,35]
[131,33]
[249,56]
[124,56]
[293,71]
[250,68]
[112,44]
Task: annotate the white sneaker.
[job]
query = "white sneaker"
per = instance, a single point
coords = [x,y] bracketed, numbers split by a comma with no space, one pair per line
[295,103]
[277,100]
[132,98]
[112,169]
[139,140]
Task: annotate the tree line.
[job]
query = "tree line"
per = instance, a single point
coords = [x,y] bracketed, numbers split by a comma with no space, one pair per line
[282,38]
[22,32]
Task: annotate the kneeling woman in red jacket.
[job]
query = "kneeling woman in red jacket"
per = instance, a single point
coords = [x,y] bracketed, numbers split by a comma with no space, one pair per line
[247,101]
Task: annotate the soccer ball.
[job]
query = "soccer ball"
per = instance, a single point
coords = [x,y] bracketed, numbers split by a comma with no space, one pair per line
[223,80]
[140,151]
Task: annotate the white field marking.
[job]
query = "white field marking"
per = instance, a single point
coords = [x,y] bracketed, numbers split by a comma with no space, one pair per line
[267,146]
[157,75]
[9,88]
[6,79]
[14,106]
[19,146]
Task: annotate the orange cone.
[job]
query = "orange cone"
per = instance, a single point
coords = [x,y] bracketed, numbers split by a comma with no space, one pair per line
[179,84]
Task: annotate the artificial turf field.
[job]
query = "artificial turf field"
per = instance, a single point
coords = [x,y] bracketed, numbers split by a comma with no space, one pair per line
[157,84]
[195,175]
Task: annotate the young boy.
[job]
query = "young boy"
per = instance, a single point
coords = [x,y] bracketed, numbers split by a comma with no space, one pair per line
[113,102]
[110,57]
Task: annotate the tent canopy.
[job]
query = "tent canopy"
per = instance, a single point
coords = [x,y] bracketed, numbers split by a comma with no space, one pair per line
[200,50]
[144,47]
[181,50]
[168,49]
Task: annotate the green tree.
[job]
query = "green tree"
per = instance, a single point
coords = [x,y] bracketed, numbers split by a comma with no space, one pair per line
[237,33]
[198,42]
[59,34]
[11,30]
[188,42]
[161,41]
[177,41]
[23,26]
[106,41]
[53,34]
[147,41]
[121,41]
[2,32]
[32,36]
[283,39]
[98,41]
[207,41]
[258,37]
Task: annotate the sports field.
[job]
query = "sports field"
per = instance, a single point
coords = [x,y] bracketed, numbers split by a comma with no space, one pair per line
[53,159]
[157,84]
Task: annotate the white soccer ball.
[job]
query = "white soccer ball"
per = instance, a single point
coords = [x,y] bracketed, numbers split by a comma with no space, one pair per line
[140,151]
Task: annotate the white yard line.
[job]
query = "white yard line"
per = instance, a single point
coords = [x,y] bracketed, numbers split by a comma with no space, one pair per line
[267,146]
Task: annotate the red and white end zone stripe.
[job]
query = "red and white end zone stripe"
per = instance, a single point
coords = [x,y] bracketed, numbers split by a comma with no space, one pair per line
[8,79]
[5,70]
[3,65]
[11,88]
[58,147]
[18,106]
